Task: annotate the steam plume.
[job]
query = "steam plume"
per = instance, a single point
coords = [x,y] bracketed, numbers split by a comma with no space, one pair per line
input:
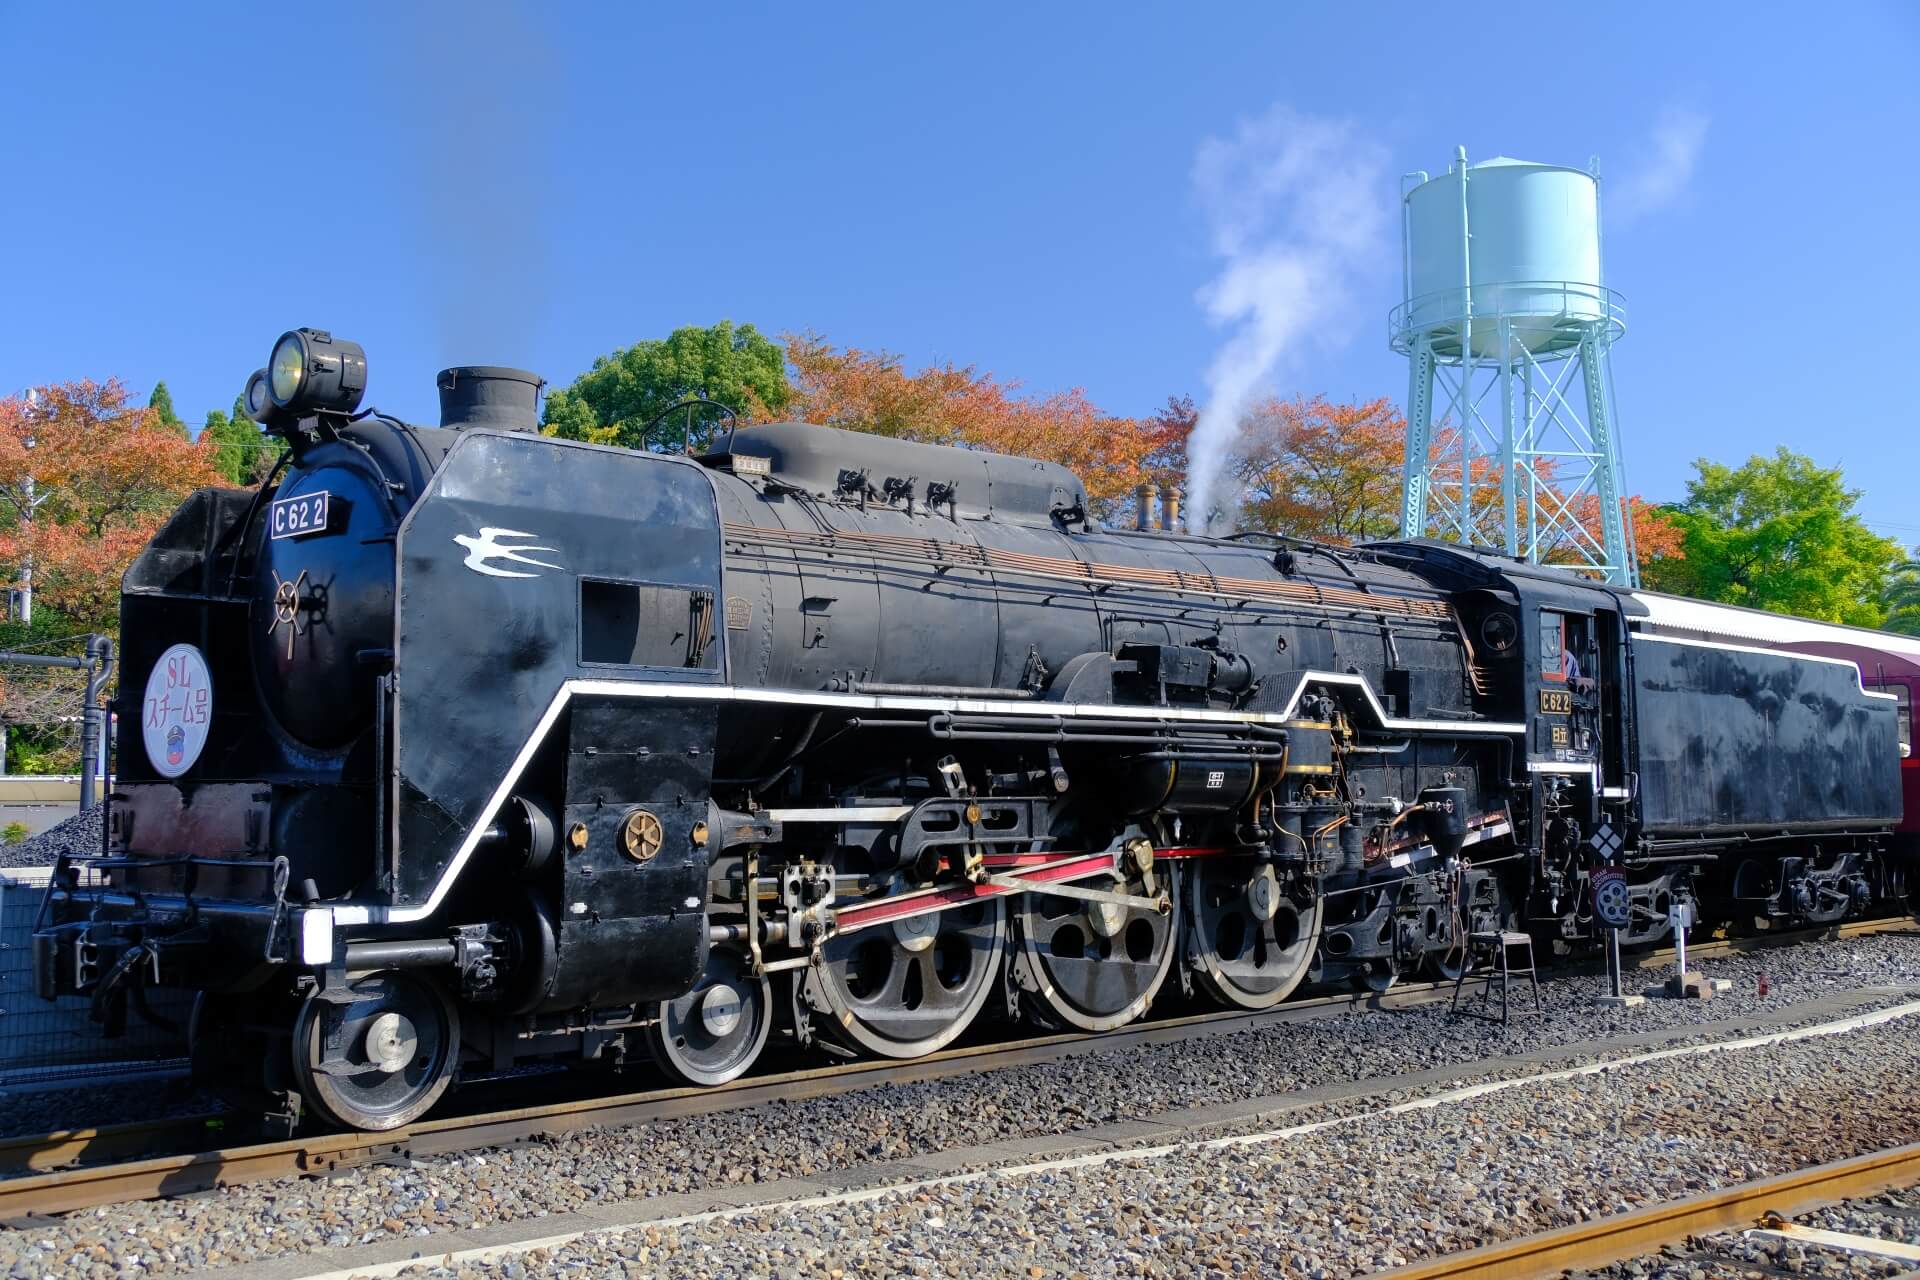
[1296,207]
[1664,176]
[481,81]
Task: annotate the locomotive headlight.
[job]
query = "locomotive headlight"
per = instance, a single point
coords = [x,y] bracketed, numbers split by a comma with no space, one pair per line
[288,368]
[312,371]
[259,403]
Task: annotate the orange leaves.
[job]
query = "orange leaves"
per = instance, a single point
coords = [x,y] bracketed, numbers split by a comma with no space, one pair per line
[76,570]
[959,405]
[1656,536]
[1307,466]
[84,482]
[1320,470]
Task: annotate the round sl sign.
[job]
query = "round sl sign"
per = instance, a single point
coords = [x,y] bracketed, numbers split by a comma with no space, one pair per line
[1612,900]
[177,710]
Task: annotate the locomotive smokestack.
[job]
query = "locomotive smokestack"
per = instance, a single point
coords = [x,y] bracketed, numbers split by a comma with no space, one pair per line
[1170,514]
[486,395]
[1143,498]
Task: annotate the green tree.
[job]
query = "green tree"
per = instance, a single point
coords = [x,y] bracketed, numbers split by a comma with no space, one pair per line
[242,451]
[161,402]
[615,401]
[1778,533]
[1901,599]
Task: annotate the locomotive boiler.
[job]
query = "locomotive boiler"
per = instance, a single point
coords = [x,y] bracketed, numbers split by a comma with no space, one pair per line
[462,746]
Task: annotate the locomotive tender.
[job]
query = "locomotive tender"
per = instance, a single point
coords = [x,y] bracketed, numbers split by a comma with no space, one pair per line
[463,746]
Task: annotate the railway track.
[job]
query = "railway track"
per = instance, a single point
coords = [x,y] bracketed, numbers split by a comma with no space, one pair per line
[1586,1246]
[54,1173]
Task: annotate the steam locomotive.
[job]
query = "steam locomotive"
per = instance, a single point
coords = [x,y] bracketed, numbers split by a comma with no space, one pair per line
[455,747]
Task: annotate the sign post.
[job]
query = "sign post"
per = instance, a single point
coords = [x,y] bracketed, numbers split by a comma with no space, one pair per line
[1612,910]
[1614,984]
[1684,982]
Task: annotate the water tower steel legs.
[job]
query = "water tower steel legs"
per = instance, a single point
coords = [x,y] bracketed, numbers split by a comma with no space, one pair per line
[1596,373]
[1509,474]
[1503,284]
[1562,446]
[1413,472]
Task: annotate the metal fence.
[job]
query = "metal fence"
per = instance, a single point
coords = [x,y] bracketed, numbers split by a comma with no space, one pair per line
[50,1044]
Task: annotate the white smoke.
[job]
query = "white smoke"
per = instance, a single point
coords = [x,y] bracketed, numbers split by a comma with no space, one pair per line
[1297,207]
[1664,176]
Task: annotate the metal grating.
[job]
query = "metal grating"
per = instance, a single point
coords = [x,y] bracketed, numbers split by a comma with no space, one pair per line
[51,1043]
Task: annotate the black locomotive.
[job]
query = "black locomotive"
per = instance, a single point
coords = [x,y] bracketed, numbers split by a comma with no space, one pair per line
[461,746]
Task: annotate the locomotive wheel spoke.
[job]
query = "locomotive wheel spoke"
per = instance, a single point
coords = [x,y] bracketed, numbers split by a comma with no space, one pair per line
[911,989]
[1092,966]
[714,1032]
[1251,943]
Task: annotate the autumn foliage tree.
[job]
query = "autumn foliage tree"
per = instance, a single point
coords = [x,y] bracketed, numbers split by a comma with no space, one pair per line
[1319,470]
[85,480]
[961,405]
[1308,467]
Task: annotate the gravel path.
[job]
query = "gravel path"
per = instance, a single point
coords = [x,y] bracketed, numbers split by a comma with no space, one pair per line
[1346,1201]
[568,1172]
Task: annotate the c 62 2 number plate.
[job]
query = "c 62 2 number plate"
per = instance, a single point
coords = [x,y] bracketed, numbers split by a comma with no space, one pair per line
[299,516]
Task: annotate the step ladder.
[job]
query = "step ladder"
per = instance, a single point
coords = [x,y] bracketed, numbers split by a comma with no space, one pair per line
[1490,960]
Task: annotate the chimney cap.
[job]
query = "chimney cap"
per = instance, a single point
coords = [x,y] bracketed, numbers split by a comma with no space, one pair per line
[470,372]
[490,395]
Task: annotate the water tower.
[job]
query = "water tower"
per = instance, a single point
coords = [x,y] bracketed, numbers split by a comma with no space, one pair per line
[1511,439]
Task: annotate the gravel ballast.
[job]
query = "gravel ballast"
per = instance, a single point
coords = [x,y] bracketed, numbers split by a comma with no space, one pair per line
[565,1173]
[1063,1096]
[1351,1200]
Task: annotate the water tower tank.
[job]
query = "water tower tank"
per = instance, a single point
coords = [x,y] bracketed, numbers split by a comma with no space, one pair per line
[1533,256]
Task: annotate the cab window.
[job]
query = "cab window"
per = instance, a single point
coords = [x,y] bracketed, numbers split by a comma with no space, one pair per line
[1553,635]
[1903,708]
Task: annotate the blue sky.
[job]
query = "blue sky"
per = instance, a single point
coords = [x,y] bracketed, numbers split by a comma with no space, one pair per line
[1010,187]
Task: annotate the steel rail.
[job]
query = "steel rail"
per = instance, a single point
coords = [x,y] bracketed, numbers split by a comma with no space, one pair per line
[47,1190]
[90,1186]
[1589,1245]
[65,1148]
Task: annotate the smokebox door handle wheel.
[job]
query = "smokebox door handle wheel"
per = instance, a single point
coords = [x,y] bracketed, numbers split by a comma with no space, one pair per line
[382,1060]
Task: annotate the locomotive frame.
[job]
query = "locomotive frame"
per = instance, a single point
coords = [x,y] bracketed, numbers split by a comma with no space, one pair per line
[536,748]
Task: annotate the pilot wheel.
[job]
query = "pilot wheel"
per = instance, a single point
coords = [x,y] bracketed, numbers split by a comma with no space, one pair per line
[400,1045]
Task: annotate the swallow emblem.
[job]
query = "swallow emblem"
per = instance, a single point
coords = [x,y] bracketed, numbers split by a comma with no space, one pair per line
[486,548]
